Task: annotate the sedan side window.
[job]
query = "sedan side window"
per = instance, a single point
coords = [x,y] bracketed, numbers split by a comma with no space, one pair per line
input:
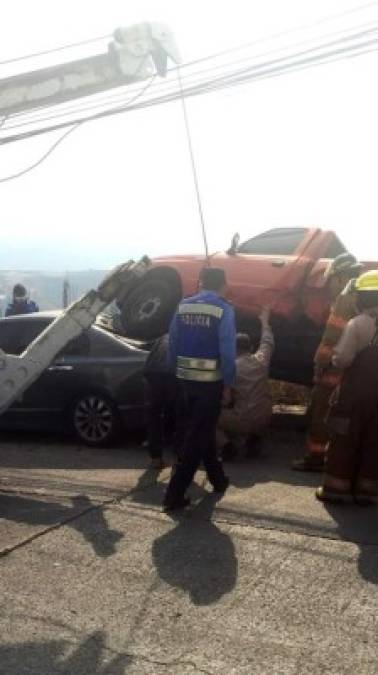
[8,338]
[16,336]
[282,241]
[79,346]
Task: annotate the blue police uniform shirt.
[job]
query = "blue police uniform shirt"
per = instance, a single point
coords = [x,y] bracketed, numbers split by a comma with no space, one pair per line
[203,329]
[27,307]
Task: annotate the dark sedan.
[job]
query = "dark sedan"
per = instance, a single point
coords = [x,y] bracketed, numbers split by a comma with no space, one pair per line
[93,388]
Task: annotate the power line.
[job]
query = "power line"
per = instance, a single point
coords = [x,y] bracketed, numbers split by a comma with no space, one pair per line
[32,117]
[45,156]
[60,140]
[326,19]
[55,49]
[275,67]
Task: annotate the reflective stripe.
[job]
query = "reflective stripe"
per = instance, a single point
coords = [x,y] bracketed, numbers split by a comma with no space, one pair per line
[330,380]
[199,364]
[198,375]
[201,308]
[338,322]
[315,448]
[324,352]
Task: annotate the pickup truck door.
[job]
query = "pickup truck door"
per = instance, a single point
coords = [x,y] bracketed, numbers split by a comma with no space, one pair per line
[269,269]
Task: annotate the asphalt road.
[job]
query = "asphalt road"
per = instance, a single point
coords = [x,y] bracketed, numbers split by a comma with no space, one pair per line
[96,580]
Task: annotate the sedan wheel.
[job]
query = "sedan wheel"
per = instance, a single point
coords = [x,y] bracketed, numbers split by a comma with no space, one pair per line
[94,420]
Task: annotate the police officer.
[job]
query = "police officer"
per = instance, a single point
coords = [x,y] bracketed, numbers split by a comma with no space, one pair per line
[21,303]
[202,348]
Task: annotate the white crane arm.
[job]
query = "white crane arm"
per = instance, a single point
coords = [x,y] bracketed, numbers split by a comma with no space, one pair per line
[17,373]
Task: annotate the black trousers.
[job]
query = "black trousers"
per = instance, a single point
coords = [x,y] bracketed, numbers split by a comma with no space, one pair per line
[161,412]
[198,410]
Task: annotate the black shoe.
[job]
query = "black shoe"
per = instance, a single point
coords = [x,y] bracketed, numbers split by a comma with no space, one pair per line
[220,488]
[176,506]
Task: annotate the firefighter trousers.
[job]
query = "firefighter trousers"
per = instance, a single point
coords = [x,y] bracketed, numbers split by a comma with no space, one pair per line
[352,454]
[318,434]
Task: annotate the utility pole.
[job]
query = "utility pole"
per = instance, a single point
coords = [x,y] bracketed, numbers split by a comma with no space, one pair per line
[66,292]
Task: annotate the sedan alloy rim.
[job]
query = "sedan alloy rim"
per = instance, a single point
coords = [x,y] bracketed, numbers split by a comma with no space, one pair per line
[93,418]
[148,308]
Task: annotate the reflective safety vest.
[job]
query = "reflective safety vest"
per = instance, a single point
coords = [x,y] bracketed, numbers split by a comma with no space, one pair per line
[195,330]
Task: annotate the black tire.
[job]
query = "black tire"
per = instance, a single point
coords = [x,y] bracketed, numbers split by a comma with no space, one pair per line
[147,310]
[94,420]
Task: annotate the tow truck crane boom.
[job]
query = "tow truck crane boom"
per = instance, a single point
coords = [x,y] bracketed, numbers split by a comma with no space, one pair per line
[17,373]
[136,53]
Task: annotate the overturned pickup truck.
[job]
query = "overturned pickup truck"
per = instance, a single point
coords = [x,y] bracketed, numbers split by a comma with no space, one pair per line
[281,267]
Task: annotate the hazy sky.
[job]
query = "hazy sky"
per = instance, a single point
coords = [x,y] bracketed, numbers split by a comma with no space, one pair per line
[291,151]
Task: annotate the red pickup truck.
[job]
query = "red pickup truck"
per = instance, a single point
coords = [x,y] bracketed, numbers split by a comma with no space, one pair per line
[281,267]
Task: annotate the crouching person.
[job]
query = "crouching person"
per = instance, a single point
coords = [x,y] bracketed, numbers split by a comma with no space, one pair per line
[351,469]
[248,418]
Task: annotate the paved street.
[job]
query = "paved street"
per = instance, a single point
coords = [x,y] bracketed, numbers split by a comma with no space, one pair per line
[96,580]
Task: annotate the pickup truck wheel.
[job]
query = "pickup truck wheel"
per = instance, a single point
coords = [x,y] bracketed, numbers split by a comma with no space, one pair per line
[94,419]
[146,312]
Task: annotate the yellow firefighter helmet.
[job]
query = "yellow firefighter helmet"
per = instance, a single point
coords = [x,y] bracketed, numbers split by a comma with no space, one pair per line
[368,281]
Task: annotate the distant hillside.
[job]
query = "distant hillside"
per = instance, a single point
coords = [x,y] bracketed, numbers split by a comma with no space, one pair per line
[47,289]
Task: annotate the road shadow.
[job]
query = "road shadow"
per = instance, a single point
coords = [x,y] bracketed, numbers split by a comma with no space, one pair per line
[360,526]
[58,657]
[196,556]
[36,450]
[83,516]
[151,486]
[273,462]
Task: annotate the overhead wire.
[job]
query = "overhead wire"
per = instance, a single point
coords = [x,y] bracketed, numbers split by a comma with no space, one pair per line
[305,26]
[61,48]
[58,142]
[288,63]
[101,100]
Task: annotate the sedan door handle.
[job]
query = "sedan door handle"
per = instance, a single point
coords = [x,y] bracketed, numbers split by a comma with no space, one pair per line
[279,263]
[61,368]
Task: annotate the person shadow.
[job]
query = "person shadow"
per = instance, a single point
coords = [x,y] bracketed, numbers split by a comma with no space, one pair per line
[83,516]
[56,657]
[360,526]
[196,556]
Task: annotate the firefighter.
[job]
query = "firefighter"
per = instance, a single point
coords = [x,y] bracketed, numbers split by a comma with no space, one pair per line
[340,279]
[202,348]
[351,468]
[21,303]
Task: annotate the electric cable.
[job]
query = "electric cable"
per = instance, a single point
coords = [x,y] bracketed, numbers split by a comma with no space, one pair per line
[326,19]
[44,156]
[28,118]
[273,67]
[55,49]
[57,143]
